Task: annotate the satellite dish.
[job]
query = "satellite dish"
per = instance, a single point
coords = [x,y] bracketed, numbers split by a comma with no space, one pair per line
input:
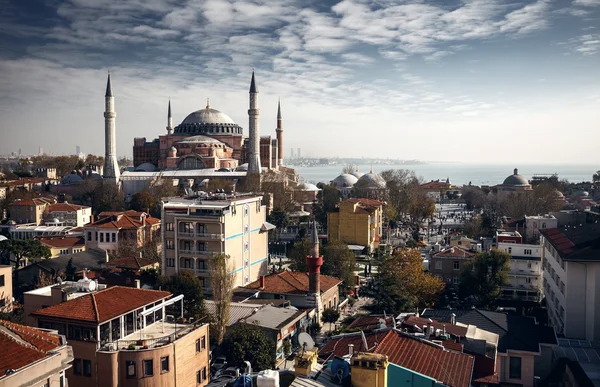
[92,286]
[305,341]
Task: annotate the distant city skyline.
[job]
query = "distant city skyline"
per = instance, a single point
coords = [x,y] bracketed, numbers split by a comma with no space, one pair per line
[468,81]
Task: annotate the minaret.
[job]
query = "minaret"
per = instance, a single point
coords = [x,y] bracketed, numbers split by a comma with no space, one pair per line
[111,167]
[279,131]
[169,120]
[254,137]
[314,263]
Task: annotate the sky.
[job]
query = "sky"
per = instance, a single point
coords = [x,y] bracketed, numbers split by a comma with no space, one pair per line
[477,81]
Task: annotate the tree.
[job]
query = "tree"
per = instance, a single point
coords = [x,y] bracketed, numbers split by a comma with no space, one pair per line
[482,278]
[330,316]
[221,282]
[280,220]
[339,262]
[188,284]
[327,200]
[596,177]
[15,250]
[245,342]
[70,271]
[297,255]
[474,197]
[401,283]
[142,201]
[403,187]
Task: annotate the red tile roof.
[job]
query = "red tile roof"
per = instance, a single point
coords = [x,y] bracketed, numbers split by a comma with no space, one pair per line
[368,323]
[65,207]
[134,263]
[103,305]
[22,345]
[451,368]
[289,282]
[123,220]
[419,322]
[62,241]
[32,202]
[454,252]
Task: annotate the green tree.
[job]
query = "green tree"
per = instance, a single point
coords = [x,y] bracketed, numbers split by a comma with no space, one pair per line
[330,316]
[280,219]
[327,200]
[15,250]
[188,284]
[482,278]
[339,262]
[248,342]
[142,201]
[221,282]
[596,177]
[297,255]
[401,284]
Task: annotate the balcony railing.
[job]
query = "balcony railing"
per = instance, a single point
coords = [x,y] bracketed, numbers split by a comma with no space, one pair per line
[200,235]
[196,252]
[149,343]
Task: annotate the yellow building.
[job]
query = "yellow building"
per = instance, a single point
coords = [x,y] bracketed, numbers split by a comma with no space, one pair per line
[195,229]
[357,222]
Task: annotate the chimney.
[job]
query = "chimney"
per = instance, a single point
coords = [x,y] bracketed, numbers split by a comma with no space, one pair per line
[350,349]
[453,319]
[137,283]
[428,332]
[262,282]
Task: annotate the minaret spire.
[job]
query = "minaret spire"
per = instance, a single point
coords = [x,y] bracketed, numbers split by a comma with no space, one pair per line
[279,132]
[169,119]
[314,263]
[254,168]
[111,167]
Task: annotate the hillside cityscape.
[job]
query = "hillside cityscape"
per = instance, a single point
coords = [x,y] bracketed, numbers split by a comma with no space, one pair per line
[324,241]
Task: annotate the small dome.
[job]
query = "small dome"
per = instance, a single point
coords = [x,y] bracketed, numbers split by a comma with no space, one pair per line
[556,194]
[72,178]
[515,179]
[357,174]
[344,180]
[146,167]
[173,149]
[307,187]
[242,168]
[372,181]
[3,238]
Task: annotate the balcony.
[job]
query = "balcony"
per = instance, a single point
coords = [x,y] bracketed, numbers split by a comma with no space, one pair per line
[153,336]
[201,235]
[197,253]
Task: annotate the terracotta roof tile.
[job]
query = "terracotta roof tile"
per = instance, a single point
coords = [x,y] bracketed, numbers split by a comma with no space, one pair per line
[454,252]
[32,202]
[289,282]
[338,345]
[62,241]
[368,323]
[419,322]
[135,263]
[22,345]
[103,305]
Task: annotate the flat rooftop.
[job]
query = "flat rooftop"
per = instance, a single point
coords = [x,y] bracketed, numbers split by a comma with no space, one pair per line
[217,201]
[154,335]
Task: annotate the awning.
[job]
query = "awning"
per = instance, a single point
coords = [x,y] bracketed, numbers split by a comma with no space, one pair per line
[267,226]
[356,247]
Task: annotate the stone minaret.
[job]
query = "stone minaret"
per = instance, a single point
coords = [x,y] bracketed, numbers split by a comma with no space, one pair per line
[279,131]
[314,263]
[254,140]
[169,120]
[111,167]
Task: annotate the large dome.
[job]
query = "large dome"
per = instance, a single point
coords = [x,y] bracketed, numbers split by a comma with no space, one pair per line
[208,121]
[345,180]
[372,181]
[515,179]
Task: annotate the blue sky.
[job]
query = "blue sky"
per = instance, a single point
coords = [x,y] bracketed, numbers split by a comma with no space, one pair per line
[473,81]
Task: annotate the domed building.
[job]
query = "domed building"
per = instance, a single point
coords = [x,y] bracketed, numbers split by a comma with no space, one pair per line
[356,173]
[344,183]
[371,181]
[514,183]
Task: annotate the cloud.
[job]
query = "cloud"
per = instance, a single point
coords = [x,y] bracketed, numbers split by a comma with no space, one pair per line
[587,3]
[588,44]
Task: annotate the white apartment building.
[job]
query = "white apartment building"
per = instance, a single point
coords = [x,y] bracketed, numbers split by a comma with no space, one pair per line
[525,277]
[196,228]
[571,264]
[66,214]
[538,222]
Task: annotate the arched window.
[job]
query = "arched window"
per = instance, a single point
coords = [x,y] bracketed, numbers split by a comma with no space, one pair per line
[191,162]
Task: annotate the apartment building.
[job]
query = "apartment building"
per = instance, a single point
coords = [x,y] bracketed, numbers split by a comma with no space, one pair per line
[67,214]
[448,264]
[526,274]
[112,228]
[32,357]
[198,227]
[127,337]
[571,265]
[6,291]
[29,211]
[533,224]
[63,244]
[357,222]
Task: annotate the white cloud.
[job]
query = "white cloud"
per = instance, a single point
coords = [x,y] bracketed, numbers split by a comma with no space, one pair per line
[587,3]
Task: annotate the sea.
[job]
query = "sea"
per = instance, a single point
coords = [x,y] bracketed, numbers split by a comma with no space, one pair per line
[458,173]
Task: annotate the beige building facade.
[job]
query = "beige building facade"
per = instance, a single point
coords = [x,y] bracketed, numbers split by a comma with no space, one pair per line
[194,230]
[6,291]
[28,211]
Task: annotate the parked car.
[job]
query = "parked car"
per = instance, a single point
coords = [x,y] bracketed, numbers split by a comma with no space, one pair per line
[218,364]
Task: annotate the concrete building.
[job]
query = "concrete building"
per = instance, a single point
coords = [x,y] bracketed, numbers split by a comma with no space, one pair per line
[29,211]
[533,225]
[32,357]
[526,274]
[112,228]
[197,227]
[121,337]
[571,264]
[6,290]
[508,237]
[448,264]
[63,245]
[67,214]
[357,222]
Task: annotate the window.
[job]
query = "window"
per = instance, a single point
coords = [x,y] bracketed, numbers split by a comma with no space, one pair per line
[148,367]
[169,226]
[96,236]
[164,364]
[204,373]
[198,345]
[455,280]
[114,237]
[130,368]
[529,265]
[87,367]
[543,225]
[528,280]
[170,244]
[201,375]
[77,366]
[203,342]
[527,251]
[89,236]
[246,246]
[438,265]
[171,262]
[510,250]
[456,265]
[2,280]
[515,368]
[101,237]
